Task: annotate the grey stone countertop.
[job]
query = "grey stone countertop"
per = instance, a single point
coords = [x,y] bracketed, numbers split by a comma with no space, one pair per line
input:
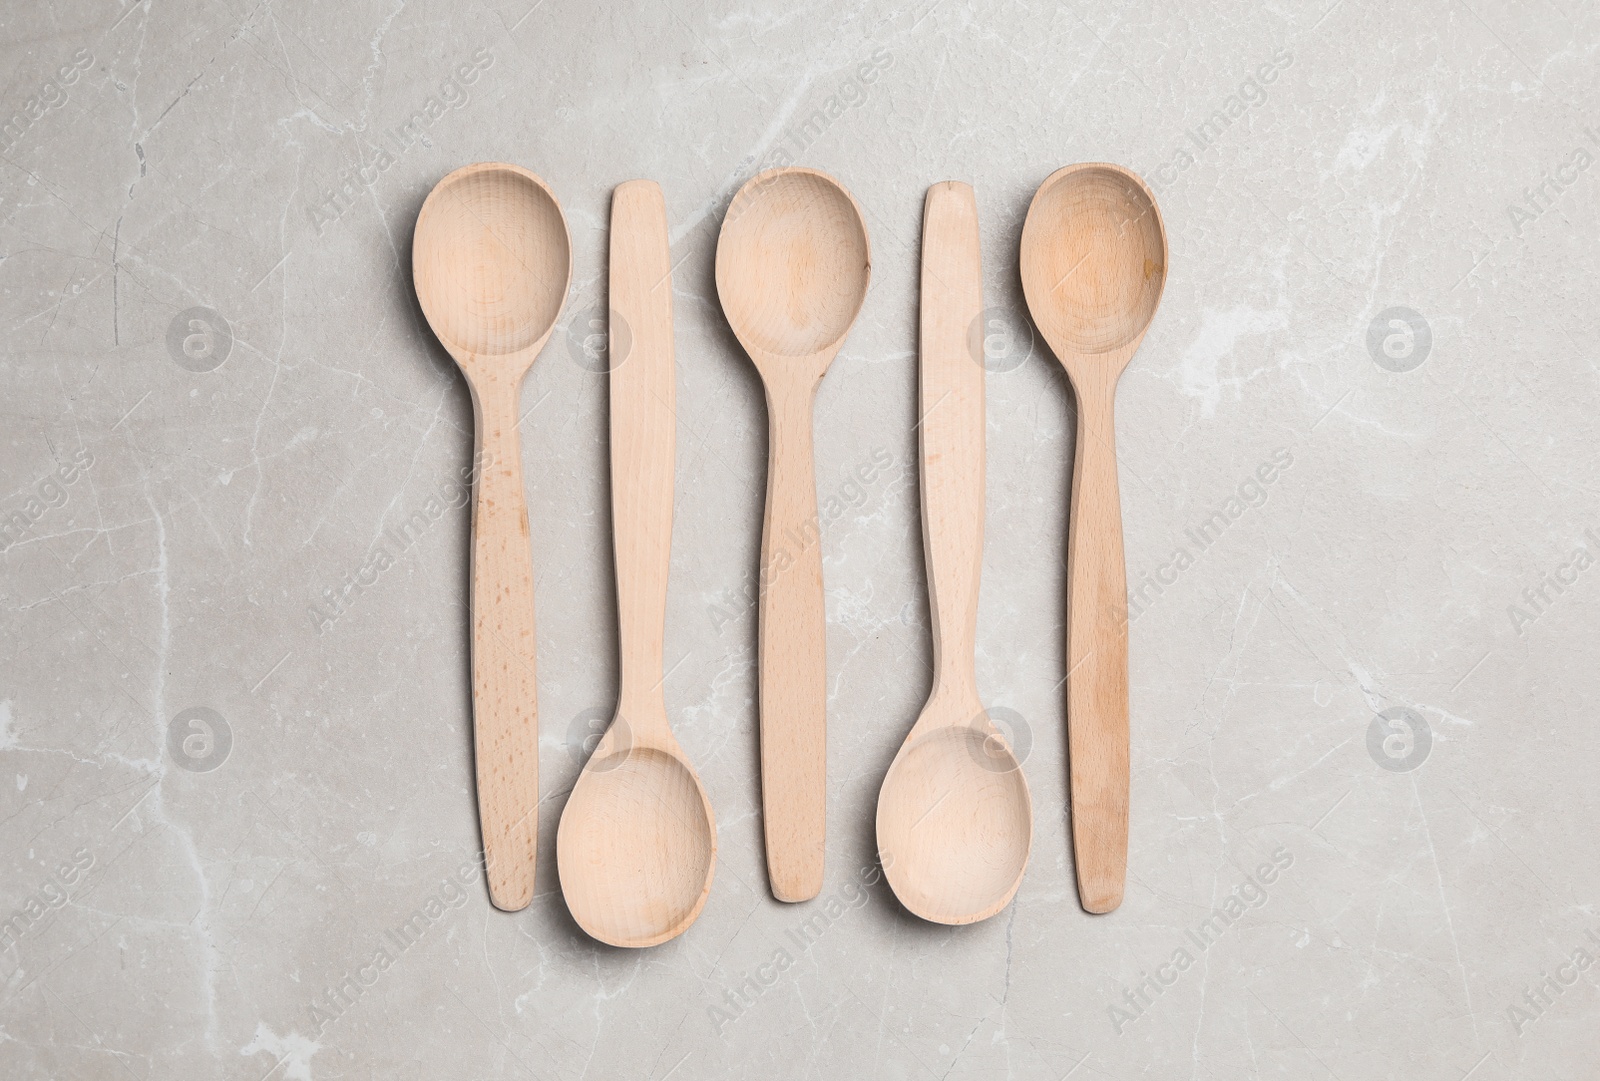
[237,815]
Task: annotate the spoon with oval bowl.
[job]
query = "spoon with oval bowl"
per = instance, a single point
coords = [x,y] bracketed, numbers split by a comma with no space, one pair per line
[955,819]
[637,844]
[492,260]
[793,263]
[1094,262]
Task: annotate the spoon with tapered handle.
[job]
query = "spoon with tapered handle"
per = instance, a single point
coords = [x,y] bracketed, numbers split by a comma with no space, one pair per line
[492,261]
[955,820]
[637,844]
[793,263]
[1094,262]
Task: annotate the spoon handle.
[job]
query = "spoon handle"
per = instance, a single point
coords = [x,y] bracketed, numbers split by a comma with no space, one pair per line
[1097,654]
[505,715]
[642,438]
[793,647]
[951,427]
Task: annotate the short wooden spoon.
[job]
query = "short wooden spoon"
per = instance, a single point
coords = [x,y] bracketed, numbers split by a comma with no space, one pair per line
[637,844]
[793,263]
[955,820]
[492,261]
[1094,261]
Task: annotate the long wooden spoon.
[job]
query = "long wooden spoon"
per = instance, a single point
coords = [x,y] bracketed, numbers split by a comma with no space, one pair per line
[955,820]
[492,261]
[637,844]
[793,263]
[1094,261]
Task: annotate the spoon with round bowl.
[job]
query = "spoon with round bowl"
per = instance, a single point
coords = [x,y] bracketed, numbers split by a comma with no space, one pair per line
[1094,262]
[793,264]
[492,260]
[637,845]
[955,819]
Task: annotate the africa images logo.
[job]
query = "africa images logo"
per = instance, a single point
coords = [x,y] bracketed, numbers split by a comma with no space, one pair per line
[1250,894]
[355,179]
[49,493]
[52,94]
[1145,587]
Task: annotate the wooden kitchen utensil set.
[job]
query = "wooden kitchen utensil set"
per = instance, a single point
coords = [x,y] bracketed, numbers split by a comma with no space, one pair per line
[637,843]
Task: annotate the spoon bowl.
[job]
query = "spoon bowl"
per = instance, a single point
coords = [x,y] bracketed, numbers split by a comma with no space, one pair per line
[806,234]
[637,845]
[491,261]
[955,822]
[1094,257]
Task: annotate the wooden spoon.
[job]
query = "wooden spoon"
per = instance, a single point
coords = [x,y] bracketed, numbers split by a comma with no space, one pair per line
[637,843]
[492,261]
[1094,261]
[793,263]
[955,819]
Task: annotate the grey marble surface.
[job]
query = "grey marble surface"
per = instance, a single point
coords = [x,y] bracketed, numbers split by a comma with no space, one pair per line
[220,401]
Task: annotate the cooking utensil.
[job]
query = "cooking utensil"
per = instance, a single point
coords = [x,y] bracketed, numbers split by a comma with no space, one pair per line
[1094,261]
[955,819]
[793,263]
[637,844]
[492,260]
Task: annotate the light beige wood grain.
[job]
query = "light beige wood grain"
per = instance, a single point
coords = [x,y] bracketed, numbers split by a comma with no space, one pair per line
[955,818]
[637,844]
[1094,262]
[492,261]
[793,264]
